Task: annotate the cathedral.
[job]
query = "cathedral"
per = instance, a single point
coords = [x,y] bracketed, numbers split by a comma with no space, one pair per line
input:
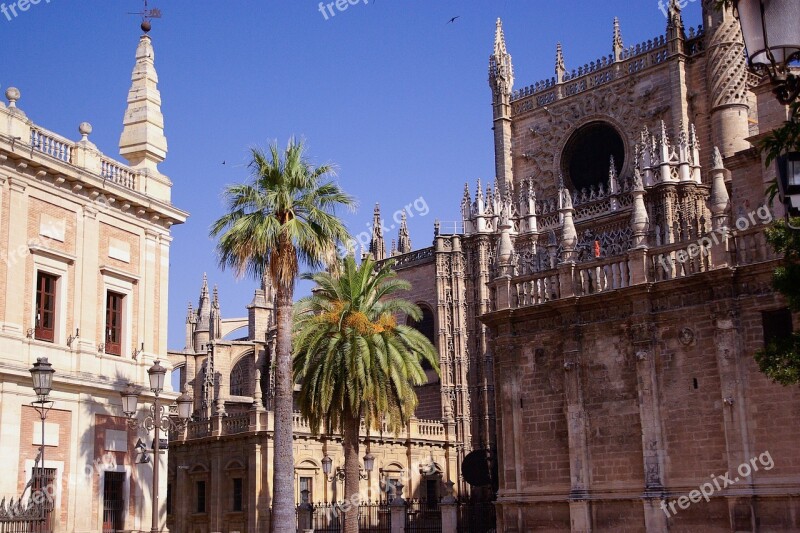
[596,317]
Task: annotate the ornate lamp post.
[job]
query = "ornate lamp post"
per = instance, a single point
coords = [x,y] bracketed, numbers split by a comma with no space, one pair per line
[339,473]
[157,421]
[42,375]
[772,36]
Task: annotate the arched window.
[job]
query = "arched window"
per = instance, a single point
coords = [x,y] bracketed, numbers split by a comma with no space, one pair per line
[242,377]
[427,326]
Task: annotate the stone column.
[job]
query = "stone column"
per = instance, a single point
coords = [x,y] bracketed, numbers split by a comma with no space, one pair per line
[449,515]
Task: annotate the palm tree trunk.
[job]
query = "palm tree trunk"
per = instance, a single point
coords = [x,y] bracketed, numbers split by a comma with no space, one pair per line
[352,479]
[283,510]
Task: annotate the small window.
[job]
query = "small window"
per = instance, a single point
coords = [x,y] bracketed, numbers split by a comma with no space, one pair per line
[777,325]
[306,484]
[114,303]
[237,494]
[201,497]
[45,306]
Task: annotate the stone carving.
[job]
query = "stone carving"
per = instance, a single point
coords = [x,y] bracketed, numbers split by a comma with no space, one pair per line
[686,336]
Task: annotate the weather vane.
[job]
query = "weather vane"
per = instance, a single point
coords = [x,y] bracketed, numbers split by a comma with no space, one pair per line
[148,14]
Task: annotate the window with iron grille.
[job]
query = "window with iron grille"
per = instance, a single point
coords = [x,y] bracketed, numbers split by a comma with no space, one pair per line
[46,285]
[237,494]
[114,302]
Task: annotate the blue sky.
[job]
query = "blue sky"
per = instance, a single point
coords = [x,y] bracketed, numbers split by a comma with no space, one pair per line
[387,90]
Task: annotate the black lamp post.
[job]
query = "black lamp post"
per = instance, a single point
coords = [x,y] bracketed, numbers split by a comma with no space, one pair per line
[157,421]
[42,375]
[771,31]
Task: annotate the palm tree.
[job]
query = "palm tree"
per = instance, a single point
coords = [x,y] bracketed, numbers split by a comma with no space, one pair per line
[284,216]
[355,362]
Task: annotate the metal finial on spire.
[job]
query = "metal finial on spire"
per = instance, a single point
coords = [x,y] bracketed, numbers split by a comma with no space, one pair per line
[147,15]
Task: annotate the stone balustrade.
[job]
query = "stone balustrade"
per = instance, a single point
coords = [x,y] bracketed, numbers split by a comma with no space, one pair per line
[252,421]
[634,267]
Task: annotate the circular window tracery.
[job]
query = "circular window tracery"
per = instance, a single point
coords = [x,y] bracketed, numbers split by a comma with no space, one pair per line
[586,156]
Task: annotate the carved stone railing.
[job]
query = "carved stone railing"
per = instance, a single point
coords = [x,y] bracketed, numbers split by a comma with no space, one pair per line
[602,71]
[752,247]
[51,144]
[238,423]
[413,258]
[198,429]
[300,424]
[537,288]
[428,429]
[118,173]
[602,276]
[652,265]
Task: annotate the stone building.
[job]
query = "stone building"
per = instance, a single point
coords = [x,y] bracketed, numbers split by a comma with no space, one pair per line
[598,314]
[85,242]
[220,467]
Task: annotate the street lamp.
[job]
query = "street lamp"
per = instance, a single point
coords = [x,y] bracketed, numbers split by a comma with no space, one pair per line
[157,421]
[42,375]
[772,36]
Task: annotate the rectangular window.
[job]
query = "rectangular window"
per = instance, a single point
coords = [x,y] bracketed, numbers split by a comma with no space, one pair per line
[201,496]
[777,325]
[237,494]
[45,306]
[306,484]
[114,302]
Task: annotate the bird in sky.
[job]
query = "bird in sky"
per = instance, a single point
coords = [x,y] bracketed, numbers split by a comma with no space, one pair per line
[453,19]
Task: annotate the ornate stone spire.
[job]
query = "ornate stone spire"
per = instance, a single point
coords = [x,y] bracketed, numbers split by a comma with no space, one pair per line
[501,80]
[204,307]
[142,141]
[617,46]
[394,251]
[403,240]
[675,21]
[377,246]
[561,69]
[501,70]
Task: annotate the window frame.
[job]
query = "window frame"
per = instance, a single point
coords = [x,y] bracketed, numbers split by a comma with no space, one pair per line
[115,321]
[42,333]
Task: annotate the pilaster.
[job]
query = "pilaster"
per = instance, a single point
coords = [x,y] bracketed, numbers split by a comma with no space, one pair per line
[91,319]
[580,512]
[15,272]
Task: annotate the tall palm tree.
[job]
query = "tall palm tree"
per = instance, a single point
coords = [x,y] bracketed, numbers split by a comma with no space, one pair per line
[355,362]
[284,216]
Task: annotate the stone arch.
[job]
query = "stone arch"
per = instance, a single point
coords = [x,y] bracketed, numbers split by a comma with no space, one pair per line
[242,376]
[625,168]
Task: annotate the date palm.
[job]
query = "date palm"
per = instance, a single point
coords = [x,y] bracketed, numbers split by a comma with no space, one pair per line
[355,362]
[283,217]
